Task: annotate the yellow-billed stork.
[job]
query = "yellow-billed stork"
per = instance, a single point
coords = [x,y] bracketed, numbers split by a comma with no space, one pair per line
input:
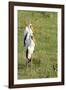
[29,42]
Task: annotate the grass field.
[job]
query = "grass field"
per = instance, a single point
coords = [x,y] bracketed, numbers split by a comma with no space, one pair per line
[44,60]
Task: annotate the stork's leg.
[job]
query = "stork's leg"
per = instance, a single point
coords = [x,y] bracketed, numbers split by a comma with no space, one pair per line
[27,53]
[28,61]
[27,58]
[31,66]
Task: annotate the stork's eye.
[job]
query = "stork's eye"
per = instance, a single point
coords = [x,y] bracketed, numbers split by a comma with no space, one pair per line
[31,37]
[30,26]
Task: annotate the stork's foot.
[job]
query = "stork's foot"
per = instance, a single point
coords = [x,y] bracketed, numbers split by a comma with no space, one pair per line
[29,60]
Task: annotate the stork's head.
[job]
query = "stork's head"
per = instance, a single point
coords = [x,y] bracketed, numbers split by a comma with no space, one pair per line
[30,26]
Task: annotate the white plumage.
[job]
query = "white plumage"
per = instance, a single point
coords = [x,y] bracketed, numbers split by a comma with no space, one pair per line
[31,48]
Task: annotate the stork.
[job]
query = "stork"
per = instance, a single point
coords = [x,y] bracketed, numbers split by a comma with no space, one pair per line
[29,43]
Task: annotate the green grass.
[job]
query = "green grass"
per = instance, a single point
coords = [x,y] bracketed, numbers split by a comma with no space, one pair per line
[44,59]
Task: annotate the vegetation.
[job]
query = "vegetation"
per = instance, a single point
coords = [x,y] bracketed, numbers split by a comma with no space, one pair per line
[44,59]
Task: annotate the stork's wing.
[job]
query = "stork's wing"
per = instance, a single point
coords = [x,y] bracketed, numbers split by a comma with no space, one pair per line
[25,38]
